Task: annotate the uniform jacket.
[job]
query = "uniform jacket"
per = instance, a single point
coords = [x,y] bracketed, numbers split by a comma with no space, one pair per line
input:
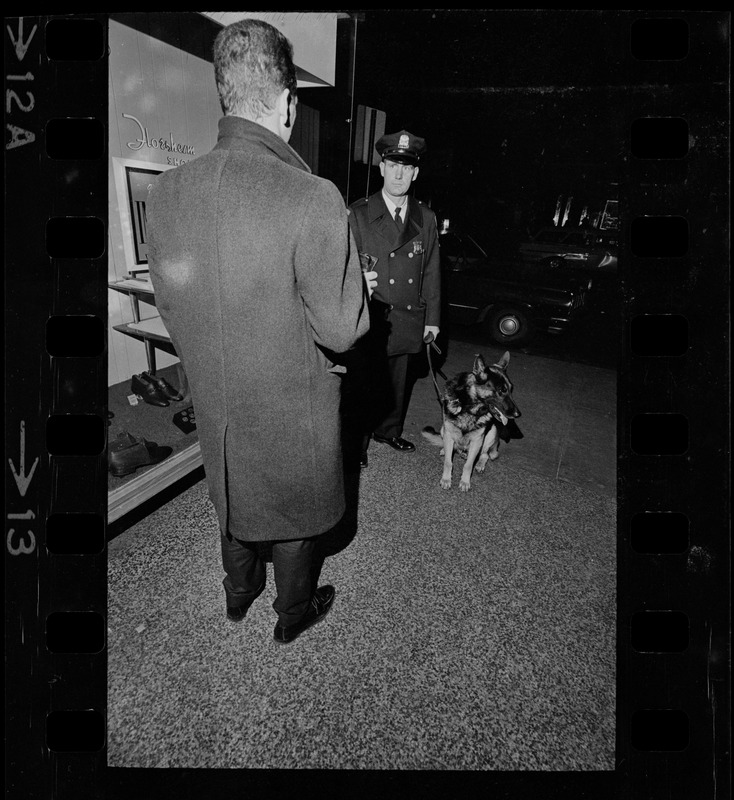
[408,268]
[257,279]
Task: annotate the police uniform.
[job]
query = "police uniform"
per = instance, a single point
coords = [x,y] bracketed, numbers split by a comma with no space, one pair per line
[408,292]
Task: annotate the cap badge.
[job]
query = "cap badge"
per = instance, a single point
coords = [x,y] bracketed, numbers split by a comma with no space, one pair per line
[404,142]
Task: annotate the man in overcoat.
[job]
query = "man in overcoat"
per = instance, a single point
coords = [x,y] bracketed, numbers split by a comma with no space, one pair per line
[400,232]
[258,282]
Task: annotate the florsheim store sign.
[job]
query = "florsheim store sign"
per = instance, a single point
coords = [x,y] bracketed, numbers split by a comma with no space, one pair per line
[161,143]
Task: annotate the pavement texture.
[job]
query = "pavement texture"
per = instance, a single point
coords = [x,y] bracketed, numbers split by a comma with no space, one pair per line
[470,631]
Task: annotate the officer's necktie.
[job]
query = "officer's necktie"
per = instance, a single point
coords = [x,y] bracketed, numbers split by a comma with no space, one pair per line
[398,220]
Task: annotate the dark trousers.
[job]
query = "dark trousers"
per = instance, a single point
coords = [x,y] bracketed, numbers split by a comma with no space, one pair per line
[392,422]
[292,567]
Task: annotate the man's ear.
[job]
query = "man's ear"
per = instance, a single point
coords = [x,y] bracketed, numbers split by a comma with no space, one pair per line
[283,106]
[382,168]
[415,173]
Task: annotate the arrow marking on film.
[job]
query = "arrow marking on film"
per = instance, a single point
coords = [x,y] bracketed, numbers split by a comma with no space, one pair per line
[21,479]
[21,47]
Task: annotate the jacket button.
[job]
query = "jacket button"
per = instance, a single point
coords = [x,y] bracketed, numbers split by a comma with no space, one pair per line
[409,307]
[392,255]
[392,280]
[410,255]
[410,280]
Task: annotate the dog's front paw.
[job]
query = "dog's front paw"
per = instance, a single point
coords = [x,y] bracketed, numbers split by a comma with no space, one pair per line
[481,463]
[464,486]
[445,483]
[494,455]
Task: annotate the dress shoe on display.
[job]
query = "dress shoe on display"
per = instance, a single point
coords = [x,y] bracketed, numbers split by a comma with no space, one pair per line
[163,386]
[126,453]
[144,387]
[401,445]
[238,613]
[317,610]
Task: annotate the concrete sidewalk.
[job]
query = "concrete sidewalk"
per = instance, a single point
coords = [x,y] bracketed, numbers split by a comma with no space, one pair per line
[470,631]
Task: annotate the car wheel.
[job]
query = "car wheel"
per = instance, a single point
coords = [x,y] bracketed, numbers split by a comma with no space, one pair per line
[509,325]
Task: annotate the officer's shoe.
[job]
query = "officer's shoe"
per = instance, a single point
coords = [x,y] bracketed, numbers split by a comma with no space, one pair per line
[396,442]
[318,608]
[127,453]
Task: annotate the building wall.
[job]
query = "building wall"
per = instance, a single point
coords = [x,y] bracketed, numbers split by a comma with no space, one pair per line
[173,96]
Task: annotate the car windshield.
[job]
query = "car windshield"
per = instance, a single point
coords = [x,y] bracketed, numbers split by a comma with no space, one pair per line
[460,249]
[563,237]
[550,236]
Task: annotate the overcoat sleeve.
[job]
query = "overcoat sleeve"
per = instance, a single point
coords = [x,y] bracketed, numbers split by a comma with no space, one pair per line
[328,275]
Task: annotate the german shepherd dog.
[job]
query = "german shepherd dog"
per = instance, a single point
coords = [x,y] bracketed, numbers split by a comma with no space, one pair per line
[477,407]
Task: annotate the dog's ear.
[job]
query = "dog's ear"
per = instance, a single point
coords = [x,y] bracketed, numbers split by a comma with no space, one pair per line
[453,406]
[480,369]
[504,361]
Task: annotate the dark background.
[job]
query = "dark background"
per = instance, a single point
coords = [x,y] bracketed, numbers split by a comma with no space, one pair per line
[518,107]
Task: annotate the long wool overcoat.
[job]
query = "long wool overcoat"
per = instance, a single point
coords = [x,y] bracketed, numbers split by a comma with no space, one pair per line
[257,279]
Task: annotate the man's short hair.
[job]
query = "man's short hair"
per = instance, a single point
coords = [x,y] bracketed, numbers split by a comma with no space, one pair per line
[253,63]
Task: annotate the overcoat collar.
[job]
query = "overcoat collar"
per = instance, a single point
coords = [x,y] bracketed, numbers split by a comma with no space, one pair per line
[377,213]
[237,133]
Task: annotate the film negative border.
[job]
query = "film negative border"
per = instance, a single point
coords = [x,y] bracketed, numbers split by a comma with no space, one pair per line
[55,271]
[673,622]
[673,680]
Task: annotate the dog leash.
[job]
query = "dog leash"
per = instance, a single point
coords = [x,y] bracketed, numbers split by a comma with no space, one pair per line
[431,345]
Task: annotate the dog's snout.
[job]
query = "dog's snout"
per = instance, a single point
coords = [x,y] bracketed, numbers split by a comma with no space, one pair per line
[513,411]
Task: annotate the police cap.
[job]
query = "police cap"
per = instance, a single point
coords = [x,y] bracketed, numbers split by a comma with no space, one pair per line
[402,146]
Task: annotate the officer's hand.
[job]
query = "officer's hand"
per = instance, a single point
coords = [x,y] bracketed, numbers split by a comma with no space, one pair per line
[370,279]
[430,329]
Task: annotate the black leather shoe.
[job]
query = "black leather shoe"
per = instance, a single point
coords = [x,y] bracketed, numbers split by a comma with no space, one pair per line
[401,445]
[238,613]
[163,386]
[320,604]
[127,453]
[363,461]
[148,391]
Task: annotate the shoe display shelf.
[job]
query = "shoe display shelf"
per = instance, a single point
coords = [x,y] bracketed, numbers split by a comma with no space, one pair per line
[153,423]
[156,425]
[151,332]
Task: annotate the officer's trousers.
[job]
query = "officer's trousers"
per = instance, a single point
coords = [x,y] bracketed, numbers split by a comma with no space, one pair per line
[392,423]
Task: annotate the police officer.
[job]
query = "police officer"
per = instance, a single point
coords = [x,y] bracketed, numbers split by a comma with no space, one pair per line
[400,232]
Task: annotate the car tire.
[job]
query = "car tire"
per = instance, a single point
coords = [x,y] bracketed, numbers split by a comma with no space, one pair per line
[509,326]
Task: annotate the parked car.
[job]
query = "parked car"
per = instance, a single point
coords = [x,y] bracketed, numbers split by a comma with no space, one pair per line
[511,299]
[587,248]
